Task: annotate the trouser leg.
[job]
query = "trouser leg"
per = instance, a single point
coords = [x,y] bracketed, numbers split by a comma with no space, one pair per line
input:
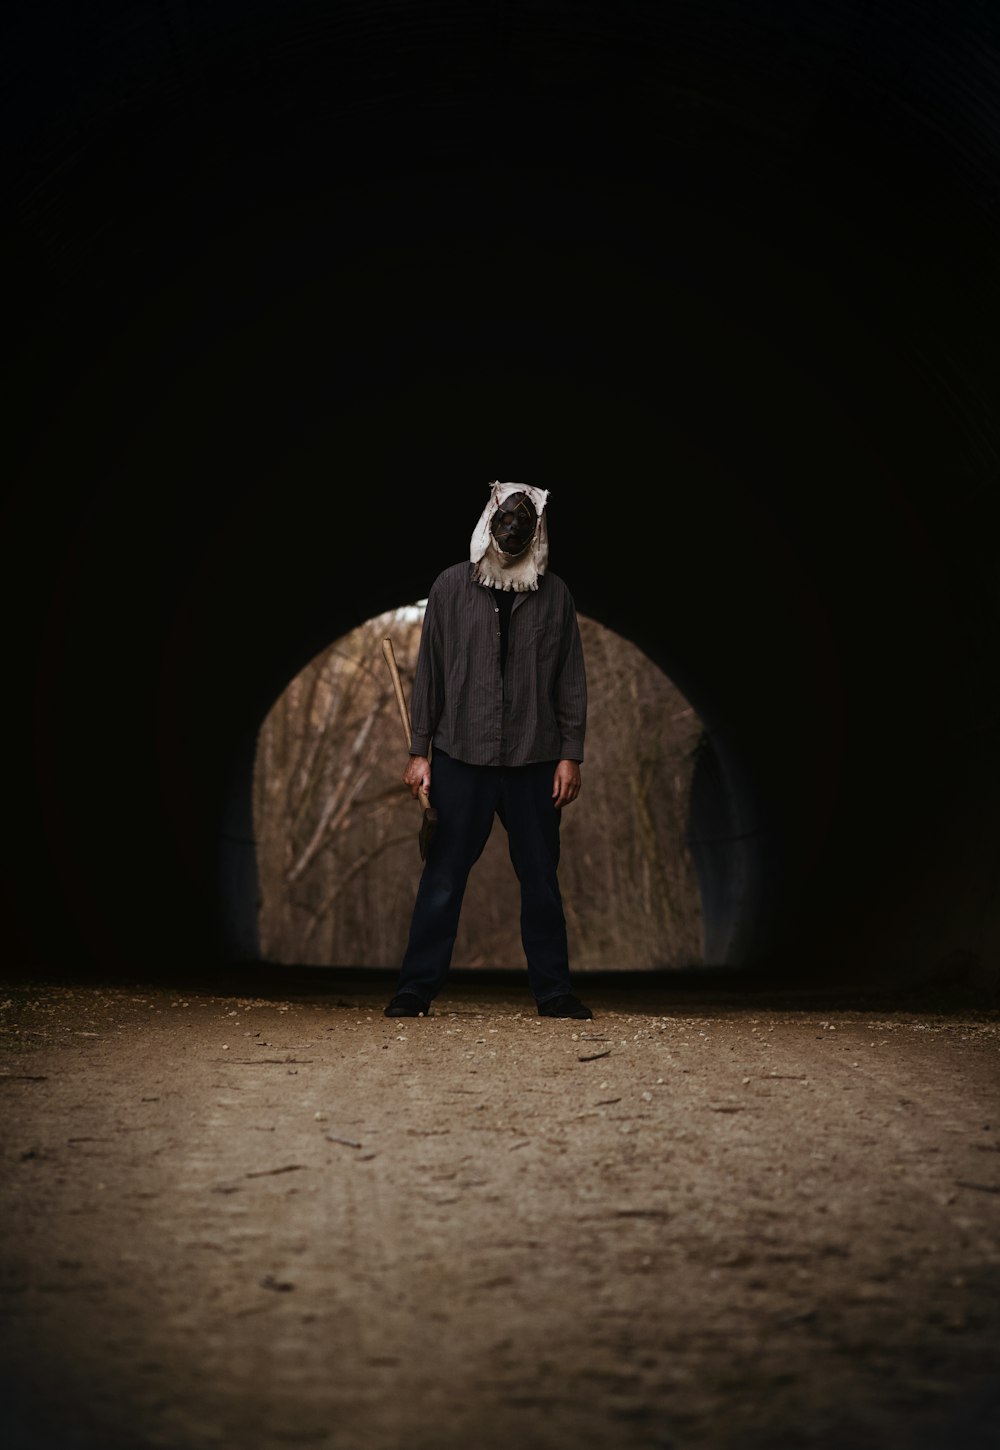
[465,798]
[532,824]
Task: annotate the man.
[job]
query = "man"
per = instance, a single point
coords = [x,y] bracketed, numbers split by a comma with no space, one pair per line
[500,694]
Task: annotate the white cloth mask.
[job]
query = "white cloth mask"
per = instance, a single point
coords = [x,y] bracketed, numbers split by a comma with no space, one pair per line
[494,566]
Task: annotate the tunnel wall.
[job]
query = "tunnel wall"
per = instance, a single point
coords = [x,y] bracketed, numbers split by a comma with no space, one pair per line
[723,283]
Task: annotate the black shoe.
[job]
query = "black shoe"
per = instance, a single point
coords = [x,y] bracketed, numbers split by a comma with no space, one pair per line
[406,1004]
[568,1006]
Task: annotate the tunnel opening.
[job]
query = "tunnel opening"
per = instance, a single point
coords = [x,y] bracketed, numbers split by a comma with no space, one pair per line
[335,858]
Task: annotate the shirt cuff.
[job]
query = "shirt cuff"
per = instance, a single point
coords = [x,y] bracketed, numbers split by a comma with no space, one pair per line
[571,750]
[420,744]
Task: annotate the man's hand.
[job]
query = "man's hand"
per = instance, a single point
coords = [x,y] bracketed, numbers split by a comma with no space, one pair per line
[417,774]
[565,783]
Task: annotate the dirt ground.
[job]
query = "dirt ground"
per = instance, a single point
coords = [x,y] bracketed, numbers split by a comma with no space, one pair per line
[696,1221]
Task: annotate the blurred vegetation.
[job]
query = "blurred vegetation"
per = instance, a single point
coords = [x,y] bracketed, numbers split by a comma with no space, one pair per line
[336,829]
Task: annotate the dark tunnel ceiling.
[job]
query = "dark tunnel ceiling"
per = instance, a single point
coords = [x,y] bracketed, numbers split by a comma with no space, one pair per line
[286,275]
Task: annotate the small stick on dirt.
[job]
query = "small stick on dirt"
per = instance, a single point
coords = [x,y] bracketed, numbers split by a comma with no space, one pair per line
[253,1061]
[23,1077]
[269,1172]
[270,1282]
[350,1142]
[593,1056]
[980,1187]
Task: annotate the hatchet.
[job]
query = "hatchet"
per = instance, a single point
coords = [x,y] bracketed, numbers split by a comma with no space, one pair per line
[429,824]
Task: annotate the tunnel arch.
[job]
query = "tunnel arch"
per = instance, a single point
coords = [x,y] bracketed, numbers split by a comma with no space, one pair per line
[641,744]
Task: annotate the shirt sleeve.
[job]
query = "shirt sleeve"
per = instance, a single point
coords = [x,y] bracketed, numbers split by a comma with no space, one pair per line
[427,700]
[571,688]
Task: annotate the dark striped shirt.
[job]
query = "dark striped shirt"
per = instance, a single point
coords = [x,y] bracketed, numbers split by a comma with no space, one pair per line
[535,709]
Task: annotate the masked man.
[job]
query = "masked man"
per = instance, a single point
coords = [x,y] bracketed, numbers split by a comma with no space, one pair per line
[500,695]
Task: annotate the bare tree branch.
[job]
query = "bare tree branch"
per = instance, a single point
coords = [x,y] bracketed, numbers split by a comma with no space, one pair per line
[336,805]
[343,881]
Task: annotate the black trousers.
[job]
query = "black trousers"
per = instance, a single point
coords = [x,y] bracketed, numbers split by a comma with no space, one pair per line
[466,798]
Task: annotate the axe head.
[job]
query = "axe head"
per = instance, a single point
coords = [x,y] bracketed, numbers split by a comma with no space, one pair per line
[427,829]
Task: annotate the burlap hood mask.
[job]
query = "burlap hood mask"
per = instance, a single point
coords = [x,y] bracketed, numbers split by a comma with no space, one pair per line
[504,554]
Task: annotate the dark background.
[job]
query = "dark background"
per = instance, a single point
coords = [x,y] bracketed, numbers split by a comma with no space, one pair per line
[290,284]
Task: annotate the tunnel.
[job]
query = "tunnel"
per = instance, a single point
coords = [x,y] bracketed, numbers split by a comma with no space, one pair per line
[294,284]
[338,848]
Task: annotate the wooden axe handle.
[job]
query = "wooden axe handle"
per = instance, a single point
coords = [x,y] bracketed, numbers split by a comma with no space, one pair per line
[397,685]
[404,715]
